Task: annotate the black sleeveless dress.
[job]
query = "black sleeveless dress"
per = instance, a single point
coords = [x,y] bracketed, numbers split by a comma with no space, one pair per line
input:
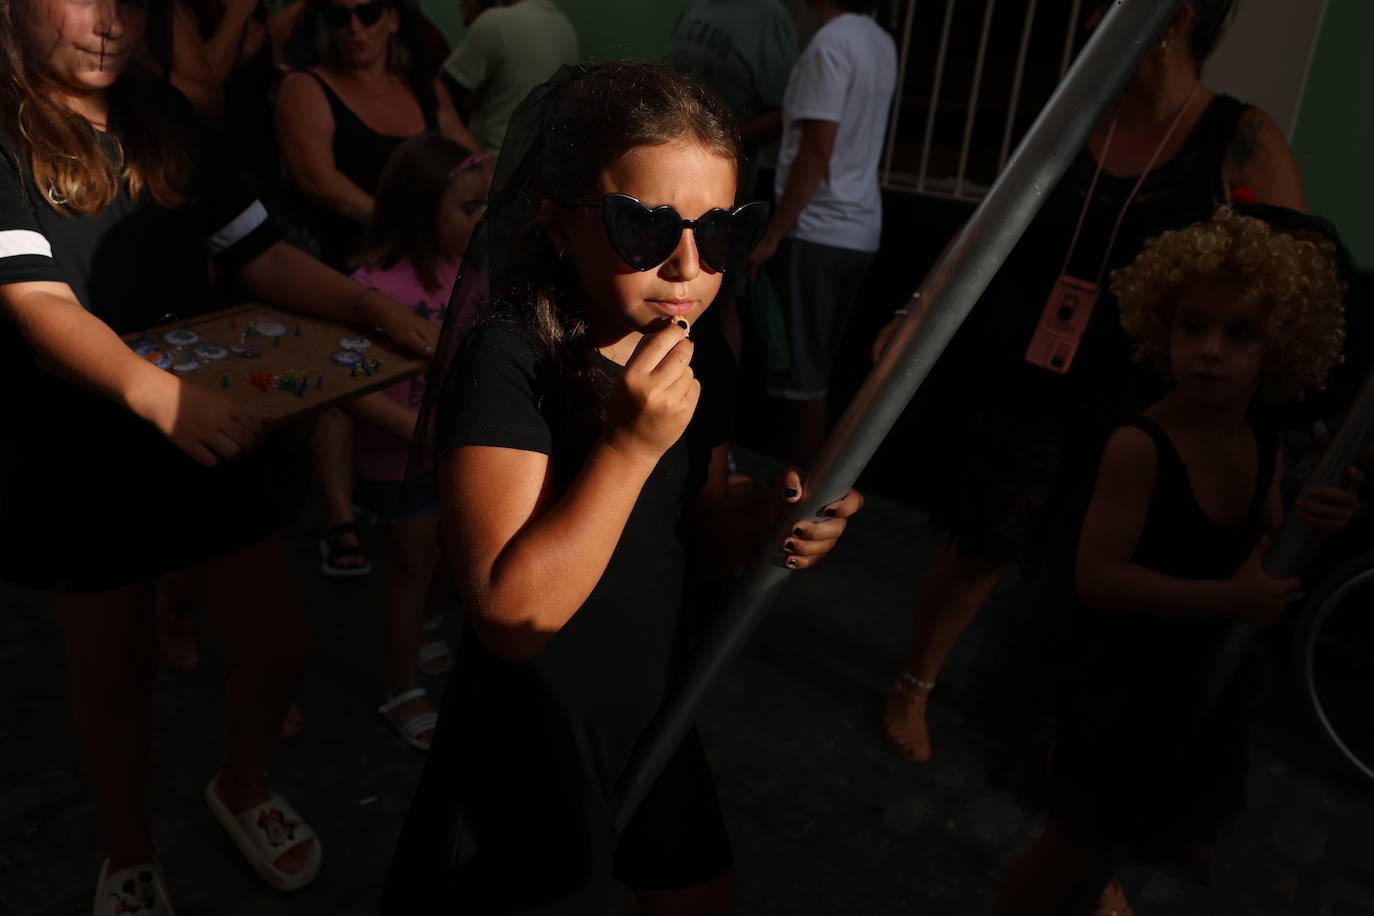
[361,154]
[1131,760]
[1008,437]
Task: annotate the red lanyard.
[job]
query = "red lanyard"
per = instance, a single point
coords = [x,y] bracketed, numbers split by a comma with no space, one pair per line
[1130,199]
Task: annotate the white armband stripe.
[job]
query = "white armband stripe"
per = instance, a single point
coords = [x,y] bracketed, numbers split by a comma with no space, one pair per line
[17,242]
[238,227]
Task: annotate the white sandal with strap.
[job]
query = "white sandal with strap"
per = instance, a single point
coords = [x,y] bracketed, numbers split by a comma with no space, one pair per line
[435,649]
[411,729]
[263,833]
[134,891]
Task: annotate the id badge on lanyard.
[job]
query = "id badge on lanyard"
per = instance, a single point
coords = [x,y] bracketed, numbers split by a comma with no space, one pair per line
[1070,305]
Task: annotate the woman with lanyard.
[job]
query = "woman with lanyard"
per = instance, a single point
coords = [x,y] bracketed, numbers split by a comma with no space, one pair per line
[1041,370]
[113,200]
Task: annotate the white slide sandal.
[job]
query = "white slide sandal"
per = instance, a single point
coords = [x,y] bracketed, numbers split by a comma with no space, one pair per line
[138,890]
[411,729]
[263,833]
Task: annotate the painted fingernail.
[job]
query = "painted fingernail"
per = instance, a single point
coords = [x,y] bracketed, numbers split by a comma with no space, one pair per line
[792,562]
[790,492]
[682,323]
[828,513]
[797,531]
[789,547]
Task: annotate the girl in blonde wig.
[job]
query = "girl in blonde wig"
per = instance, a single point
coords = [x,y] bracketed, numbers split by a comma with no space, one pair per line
[1170,550]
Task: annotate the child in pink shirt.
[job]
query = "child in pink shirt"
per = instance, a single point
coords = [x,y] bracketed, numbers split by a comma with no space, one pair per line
[427,203]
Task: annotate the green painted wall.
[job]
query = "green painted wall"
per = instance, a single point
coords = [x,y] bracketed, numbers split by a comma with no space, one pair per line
[606,28]
[1334,138]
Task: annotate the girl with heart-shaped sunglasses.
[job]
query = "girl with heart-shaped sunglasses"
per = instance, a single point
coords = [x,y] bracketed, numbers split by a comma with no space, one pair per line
[581,453]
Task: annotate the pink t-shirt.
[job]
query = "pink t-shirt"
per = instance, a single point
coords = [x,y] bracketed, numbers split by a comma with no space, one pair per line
[379,453]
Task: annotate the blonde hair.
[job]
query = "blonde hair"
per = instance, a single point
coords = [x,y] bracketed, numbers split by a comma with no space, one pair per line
[59,148]
[1292,277]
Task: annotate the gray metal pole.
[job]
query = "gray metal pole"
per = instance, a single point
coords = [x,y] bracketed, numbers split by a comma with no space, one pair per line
[1112,54]
[1295,542]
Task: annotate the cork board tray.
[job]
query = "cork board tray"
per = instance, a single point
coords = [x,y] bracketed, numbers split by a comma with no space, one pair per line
[279,365]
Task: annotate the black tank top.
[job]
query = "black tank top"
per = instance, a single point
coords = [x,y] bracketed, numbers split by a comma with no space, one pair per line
[360,152]
[1179,540]
[1185,189]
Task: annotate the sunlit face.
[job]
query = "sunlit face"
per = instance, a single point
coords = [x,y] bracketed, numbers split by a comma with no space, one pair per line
[459,210]
[622,302]
[82,46]
[1218,345]
[358,44]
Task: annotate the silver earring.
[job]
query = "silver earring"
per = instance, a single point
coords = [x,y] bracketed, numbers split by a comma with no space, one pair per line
[1164,46]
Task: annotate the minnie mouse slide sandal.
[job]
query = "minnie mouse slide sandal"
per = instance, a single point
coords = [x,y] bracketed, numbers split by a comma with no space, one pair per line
[263,833]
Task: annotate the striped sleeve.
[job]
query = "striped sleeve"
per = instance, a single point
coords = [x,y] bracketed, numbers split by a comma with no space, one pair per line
[25,252]
[238,227]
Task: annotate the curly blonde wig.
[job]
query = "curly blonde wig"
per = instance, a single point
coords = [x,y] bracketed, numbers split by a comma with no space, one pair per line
[1294,278]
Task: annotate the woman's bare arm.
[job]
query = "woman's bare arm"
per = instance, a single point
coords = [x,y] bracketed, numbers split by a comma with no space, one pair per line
[1259,159]
[305,133]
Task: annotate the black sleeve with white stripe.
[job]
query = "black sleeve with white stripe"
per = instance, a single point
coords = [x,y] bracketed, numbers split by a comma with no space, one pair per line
[238,227]
[25,252]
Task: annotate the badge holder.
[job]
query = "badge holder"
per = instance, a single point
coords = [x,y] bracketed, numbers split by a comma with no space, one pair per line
[1070,305]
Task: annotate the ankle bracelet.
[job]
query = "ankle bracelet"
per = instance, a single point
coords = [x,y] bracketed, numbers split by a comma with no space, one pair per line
[906,677]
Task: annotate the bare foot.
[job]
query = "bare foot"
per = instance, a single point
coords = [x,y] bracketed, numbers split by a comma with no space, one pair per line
[239,795]
[904,721]
[1113,902]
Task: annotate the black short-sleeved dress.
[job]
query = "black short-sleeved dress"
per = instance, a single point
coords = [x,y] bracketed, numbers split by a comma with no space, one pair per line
[92,497]
[1131,759]
[515,810]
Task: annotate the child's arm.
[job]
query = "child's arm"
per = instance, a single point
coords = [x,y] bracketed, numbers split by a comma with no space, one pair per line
[384,412]
[729,527]
[1328,509]
[81,348]
[288,277]
[526,562]
[1107,579]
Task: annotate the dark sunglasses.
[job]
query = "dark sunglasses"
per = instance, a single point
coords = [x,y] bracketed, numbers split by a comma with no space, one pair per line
[645,238]
[337,16]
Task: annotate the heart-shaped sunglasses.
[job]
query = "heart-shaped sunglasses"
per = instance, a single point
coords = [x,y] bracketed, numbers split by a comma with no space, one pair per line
[336,15]
[644,238]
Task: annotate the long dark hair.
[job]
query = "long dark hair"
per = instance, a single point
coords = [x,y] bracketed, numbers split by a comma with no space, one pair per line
[602,112]
[59,149]
[406,207]
[560,140]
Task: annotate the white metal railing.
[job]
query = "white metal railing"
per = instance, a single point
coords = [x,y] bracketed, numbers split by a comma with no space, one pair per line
[958,184]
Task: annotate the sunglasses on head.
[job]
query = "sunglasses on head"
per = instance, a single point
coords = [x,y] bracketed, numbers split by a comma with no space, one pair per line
[644,238]
[337,16]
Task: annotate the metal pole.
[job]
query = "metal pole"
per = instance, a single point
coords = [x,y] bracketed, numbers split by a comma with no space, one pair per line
[1110,57]
[1295,542]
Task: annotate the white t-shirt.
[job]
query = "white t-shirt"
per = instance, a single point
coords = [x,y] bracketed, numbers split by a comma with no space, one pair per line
[846,74]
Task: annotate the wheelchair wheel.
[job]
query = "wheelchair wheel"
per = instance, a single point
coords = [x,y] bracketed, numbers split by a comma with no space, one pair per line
[1334,662]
